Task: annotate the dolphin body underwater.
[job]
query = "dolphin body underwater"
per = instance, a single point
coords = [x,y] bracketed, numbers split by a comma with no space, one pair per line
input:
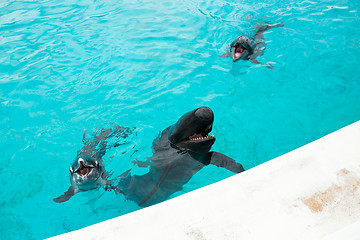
[179,152]
[87,171]
[248,48]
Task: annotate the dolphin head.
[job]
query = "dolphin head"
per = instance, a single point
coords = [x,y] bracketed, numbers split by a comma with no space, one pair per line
[85,172]
[241,48]
[191,131]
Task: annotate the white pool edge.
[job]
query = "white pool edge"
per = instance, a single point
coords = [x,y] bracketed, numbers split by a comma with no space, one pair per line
[312,192]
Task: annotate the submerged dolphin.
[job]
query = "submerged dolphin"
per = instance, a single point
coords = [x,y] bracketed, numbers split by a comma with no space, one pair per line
[179,152]
[87,171]
[248,48]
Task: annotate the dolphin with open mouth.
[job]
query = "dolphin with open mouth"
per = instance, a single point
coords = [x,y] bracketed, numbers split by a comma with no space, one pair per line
[248,48]
[179,152]
[87,171]
[85,174]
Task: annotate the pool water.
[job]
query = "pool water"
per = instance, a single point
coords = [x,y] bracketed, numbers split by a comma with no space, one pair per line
[66,66]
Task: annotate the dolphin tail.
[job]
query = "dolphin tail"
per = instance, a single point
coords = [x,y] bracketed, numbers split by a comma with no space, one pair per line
[67,195]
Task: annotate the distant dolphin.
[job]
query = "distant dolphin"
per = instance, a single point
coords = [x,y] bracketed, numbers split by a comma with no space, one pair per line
[178,153]
[247,48]
[87,171]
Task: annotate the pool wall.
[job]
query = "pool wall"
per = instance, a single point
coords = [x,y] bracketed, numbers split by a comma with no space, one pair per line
[312,192]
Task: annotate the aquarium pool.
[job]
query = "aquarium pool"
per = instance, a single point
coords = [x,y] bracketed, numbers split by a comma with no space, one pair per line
[66,66]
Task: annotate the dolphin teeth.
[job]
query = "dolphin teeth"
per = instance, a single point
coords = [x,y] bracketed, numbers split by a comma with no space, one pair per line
[202,138]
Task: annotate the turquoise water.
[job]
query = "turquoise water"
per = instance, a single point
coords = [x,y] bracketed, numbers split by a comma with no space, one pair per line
[66,66]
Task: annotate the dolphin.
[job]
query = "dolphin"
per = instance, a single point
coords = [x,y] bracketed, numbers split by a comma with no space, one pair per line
[87,171]
[248,48]
[180,151]
[86,174]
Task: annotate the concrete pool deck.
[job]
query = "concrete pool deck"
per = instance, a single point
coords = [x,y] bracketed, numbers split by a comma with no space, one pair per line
[312,192]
